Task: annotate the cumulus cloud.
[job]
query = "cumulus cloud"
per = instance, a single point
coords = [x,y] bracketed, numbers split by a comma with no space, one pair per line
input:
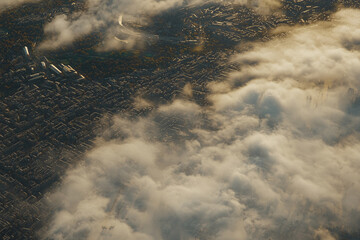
[104,16]
[117,20]
[276,156]
[4,4]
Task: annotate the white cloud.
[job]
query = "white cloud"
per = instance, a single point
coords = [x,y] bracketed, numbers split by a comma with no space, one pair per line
[277,156]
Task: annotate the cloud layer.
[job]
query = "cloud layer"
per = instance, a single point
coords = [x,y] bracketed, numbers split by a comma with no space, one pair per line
[275,157]
[103,15]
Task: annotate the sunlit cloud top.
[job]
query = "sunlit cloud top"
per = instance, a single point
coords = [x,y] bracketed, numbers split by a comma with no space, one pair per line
[274,157]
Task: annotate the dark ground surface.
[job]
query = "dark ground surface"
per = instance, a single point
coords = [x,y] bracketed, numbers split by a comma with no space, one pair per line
[47,125]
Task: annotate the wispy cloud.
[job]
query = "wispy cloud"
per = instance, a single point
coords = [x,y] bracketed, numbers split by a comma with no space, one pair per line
[275,156]
[104,15]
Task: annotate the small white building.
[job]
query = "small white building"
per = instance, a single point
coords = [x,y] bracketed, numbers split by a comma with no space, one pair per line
[55,69]
[26,52]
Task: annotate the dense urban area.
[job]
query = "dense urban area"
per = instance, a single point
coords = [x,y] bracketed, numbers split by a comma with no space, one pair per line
[53,104]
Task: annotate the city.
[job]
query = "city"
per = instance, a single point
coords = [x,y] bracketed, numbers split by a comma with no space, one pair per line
[54,104]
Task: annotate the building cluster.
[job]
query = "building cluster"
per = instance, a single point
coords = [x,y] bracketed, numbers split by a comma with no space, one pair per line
[26,70]
[43,112]
[229,24]
[311,10]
